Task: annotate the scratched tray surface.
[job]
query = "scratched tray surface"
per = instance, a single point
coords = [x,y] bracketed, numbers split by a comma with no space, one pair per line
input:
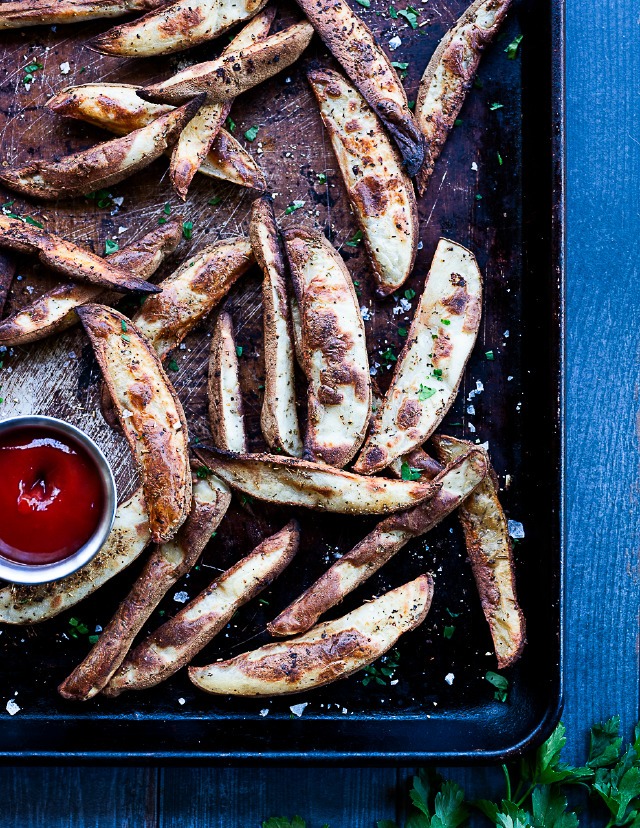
[439,703]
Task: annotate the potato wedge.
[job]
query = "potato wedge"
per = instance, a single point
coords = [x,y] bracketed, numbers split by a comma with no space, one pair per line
[127,540]
[101,166]
[491,556]
[450,74]
[226,416]
[354,46]
[178,640]
[54,311]
[167,564]
[326,653]
[458,480]
[429,369]
[16,14]
[190,293]
[294,482]
[7,274]
[117,107]
[64,257]
[231,74]
[279,418]
[150,415]
[380,192]
[334,349]
[196,139]
[175,27]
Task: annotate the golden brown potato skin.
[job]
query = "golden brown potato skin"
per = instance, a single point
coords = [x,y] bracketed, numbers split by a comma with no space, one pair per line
[101,166]
[16,14]
[354,45]
[450,74]
[156,428]
[226,414]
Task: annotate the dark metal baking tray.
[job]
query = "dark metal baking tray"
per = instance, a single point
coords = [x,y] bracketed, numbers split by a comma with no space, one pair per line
[498,188]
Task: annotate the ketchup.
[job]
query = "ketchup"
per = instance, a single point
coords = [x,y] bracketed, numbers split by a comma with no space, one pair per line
[51,495]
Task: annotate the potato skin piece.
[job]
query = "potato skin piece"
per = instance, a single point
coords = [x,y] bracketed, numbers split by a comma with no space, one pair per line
[458,480]
[450,74]
[226,415]
[175,27]
[178,640]
[354,46]
[191,292]
[129,536]
[157,429]
[334,349]
[117,107]
[294,482]
[167,563]
[380,192]
[16,14]
[326,653]
[101,166]
[279,418]
[491,557]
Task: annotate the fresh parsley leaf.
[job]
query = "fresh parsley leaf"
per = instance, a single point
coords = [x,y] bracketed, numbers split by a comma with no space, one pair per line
[355,240]
[322,178]
[450,810]
[239,350]
[393,14]
[283,822]
[110,246]
[173,365]
[448,631]
[187,229]
[549,809]
[399,64]
[410,15]
[512,48]
[402,331]
[409,473]
[230,124]
[389,356]
[29,220]
[252,133]
[511,816]
[365,3]
[494,106]
[425,392]
[605,743]
[202,473]
[500,683]
[409,294]
[489,355]
[167,209]
[295,205]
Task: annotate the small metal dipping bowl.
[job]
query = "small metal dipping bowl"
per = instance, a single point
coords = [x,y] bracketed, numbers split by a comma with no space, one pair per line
[20,573]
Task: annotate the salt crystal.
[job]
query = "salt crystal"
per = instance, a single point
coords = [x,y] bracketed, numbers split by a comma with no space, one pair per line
[471,428]
[366,313]
[181,597]
[516,529]
[449,678]
[182,701]
[12,707]
[65,68]
[394,43]
[264,712]
[471,410]
[298,709]
[474,167]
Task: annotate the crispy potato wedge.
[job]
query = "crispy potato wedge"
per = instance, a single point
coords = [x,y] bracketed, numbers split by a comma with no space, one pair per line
[380,192]
[175,27]
[450,74]
[7,274]
[167,564]
[491,556]
[196,139]
[103,165]
[178,640]
[429,369]
[150,415]
[127,540]
[190,293]
[231,74]
[279,418]
[326,653]
[16,14]
[226,416]
[64,257]
[117,107]
[354,46]
[418,461]
[294,482]
[334,349]
[458,480]
[54,311]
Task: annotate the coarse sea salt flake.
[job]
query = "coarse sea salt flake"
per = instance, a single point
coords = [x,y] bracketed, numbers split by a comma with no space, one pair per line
[12,707]
[394,43]
[65,68]
[516,529]
[264,712]
[298,709]
[449,678]
[181,597]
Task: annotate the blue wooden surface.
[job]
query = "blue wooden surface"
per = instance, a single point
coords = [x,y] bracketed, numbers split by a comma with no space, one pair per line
[603,513]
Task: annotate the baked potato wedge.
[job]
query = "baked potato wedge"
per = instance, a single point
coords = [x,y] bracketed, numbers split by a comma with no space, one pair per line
[429,369]
[17,14]
[380,191]
[167,563]
[175,27]
[279,418]
[64,257]
[226,416]
[326,653]
[117,107]
[178,640]
[354,46]
[293,482]
[334,349]
[235,72]
[150,415]
[190,293]
[491,557]
[196,139]
[101,166]
[129,536]
[54,311]
[450,74]
[458,480]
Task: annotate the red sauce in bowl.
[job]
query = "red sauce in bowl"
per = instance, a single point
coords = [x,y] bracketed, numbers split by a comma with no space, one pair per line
[51,495]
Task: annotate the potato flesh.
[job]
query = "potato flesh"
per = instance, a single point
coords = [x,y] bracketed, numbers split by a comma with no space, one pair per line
[225,395]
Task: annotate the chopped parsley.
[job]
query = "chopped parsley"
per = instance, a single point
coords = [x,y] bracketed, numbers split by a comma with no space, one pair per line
[110,246]
[252,133]
[478,197]
[448,631]
[322,178]
[407,472]
[445,321]
[409,294]
[239,350]
[365,3]
[355,240]
[295,205]
[489,355]
[125,337]
[103,199]
[512,48]
[458,122]
[399,65]
[173,365]
[500,161]
[123,324]
[402,331]
[202,473]
[495,105]
[215,200]
[500,683]
[410,14]
[425,392]
[29,70]
[393,13]
[383,671]
[389,356]
[187,229]
[411,105]
[230,124]
[437,373]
